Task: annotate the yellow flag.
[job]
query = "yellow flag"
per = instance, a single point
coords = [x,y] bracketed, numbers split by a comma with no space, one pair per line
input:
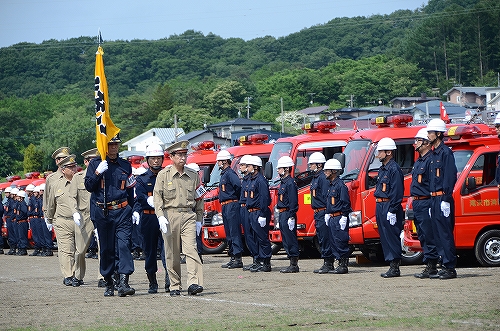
[104,127]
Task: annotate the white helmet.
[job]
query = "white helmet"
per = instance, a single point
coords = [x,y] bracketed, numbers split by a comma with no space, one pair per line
[223,155]
[316,157]
[422,134]
[21,194]
[436,125]
[386,144]
[497,119]
[8,189]
[42,187]
[30,188]
[36,189]
[193,166]
[285,162]
[245,159]
[333,164]
[255,160]
[154,150]
[14,191]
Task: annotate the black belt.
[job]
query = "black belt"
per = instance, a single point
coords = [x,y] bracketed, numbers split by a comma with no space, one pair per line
[115,204]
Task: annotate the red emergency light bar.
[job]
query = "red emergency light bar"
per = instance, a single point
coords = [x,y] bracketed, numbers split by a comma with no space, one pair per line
[466,131]
[12,178]
[32,175]
[203,145]
[135,159]
[323,126]
[397,121]
[254,139]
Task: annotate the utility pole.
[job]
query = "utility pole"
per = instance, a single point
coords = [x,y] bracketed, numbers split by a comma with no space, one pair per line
[282,119]
[351,101]
[175,127]
[248,106]
[312,95]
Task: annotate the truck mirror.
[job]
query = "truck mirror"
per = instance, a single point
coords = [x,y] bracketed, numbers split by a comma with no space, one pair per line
[341,158]
[268,170]
[206,175]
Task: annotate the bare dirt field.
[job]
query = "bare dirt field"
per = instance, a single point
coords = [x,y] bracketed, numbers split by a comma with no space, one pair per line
[34,298]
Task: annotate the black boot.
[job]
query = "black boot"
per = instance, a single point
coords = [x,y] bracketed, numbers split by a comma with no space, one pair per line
[22,251]
[326,267]
[167,282]
[266,265]
[124,289]
[110,287]
[250,266]
[225,265]
[153,284]
[430,270]
[393,269]
[116,280]
[256,265]
[342,267]
[237,263]
[1,250]
[36,252]
[293,267]
[12,251]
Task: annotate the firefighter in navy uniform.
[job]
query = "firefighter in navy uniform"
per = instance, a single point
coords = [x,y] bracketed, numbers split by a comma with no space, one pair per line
[319,190]
[144,215]
[249,239]
[10,219]
[21,216]
[111,184]
[33,220]
[443,176]
[421,195]
[258,201]
[389,213]
[229,193]
[288,205]
[338,207]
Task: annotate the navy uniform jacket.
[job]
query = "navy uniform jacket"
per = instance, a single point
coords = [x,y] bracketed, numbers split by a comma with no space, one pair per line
[258,195]
[9,208]
[119,182]
[21,211]
[420,185]
[229,185]
[39,207]
[32,206]
[443,171]
[144,189]
[338,198]
[390,185]
[244,188]
[288,195]
[319,190]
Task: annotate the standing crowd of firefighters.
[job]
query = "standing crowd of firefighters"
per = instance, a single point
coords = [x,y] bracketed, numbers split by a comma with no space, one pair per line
[106,199]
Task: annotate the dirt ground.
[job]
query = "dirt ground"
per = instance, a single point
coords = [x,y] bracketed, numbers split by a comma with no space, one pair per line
[33,297]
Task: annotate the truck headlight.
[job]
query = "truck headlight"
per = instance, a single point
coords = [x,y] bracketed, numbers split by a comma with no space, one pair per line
[355,219]
[217,219]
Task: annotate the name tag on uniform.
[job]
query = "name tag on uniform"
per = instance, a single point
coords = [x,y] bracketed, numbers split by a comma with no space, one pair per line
[200,192]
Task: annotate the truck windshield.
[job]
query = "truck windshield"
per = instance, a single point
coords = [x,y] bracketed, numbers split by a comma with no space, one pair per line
[214,177]
[461,159]
[279,150]
[355,152]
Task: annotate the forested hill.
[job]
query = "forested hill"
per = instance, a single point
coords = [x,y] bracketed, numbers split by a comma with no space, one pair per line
[46,90]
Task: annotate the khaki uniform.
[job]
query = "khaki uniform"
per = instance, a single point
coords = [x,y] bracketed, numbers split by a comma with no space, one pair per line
[59,210]
[48,183]
[83,233]
[174,197]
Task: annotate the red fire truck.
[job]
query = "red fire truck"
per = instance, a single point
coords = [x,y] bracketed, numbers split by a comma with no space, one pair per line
[214,236]
[477,211]
[319,137]
[361,171]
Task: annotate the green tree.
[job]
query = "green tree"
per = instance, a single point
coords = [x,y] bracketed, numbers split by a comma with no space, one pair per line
[223,99]
[33,159]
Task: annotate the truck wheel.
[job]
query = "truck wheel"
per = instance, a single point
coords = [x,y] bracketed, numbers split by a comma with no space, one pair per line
[410,257]
[276,248]
[211,246]
[487,249]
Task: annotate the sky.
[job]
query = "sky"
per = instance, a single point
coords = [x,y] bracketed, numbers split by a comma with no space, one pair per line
[38,20]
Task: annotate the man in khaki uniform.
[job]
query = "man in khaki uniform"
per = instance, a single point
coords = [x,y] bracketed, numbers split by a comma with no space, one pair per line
[60,209]
[81,216]
[178,207]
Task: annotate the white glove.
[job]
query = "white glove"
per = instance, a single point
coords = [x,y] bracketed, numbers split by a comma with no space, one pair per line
[136,218]
[430,213]
[445,208]
[49,226]
[198,228]
[343,222]
[102,167]
[291,223]
[162,220]
[262,221]
[151,201]
[391,218]
[327,218]
[77,218]
[96,234]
